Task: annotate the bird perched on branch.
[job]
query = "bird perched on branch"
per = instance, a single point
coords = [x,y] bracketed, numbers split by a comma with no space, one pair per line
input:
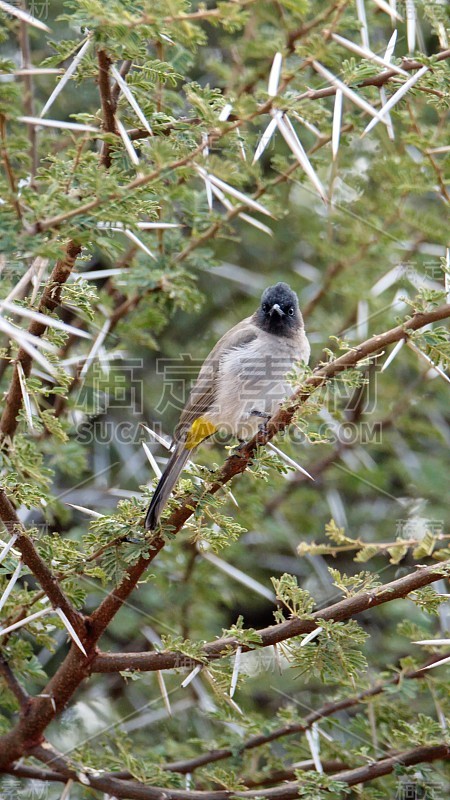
[240,385]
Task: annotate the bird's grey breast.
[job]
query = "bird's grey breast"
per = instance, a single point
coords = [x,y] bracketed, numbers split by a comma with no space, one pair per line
[265,359]
[252,378]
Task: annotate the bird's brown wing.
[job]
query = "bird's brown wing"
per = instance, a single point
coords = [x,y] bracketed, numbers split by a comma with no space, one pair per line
[202,393]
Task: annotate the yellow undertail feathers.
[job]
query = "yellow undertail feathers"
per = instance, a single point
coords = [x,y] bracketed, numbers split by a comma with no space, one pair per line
[199,430]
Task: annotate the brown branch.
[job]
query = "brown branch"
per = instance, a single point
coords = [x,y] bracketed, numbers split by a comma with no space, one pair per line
[50,300]
[164,128]
[408,64]
[108,105]
[34,773]
[42,709]
[41,774]
[115,91]
[327,710]
[387,75]
[307,27]
[338,612]
[289,773]
[385,766]
[286,791]
[190,16]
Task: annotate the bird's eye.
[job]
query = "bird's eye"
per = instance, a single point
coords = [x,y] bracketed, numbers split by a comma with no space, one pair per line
[265,307]
[291,311]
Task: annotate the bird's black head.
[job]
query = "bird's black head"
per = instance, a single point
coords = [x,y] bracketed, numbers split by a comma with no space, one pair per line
[279,312]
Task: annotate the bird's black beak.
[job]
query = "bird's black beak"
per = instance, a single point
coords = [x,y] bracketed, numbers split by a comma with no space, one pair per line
[276,308]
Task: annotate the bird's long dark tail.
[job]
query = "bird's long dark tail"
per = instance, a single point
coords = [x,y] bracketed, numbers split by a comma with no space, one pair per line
[166,483]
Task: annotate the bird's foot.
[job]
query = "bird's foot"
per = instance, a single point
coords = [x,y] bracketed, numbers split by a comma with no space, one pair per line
[262,415]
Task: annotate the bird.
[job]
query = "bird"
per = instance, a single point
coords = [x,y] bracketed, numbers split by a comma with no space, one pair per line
[241,384]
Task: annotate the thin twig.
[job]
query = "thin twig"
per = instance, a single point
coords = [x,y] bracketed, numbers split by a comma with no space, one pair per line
[108,105]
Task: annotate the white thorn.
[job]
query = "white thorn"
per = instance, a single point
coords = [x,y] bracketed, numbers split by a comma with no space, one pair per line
[10,585]
[8,547]
[256,223]
[25,396]
[353,96]
[312,738]
[391,46]
[274,77]
[438,663]
[24,16]
[191,676]
[427,358]
[392,354]
[266,137]
[58,123]
[25,621]
[66,791]
[235,674]
[66,77]
[95,348]
[135,239]
[152,460]
[367,53]
[311,636]
[394,99]
[134,158]
[50,322]
[148,226]
[293,142]
[225,112]
[157,437]
[289,460]
[131,99]
[435,642]
[238,575]
[71,630]
[411,24]
[163,690]
[84,510]
[447,274]
[389,9]
[233,192]
[361,11]
[337,118]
